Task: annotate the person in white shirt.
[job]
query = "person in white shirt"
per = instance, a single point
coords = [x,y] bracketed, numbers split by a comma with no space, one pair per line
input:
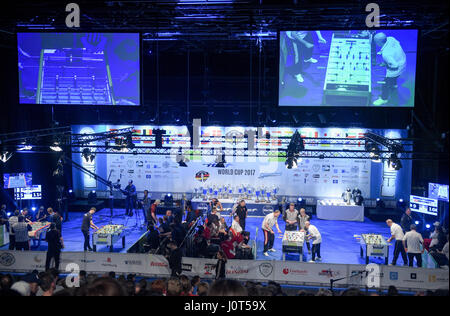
[413,244]
[267,226]
[235,225]
[397,234]
[316,237]
[394,59]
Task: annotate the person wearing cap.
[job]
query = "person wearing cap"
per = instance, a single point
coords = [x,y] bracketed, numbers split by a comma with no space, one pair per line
[290,216]
[413,245]
[21,287]
[397,234]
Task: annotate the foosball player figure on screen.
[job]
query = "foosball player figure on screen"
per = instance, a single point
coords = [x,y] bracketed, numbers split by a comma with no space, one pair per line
[290,216]
[86,225]
[269,236]
[314,235]
[397,234]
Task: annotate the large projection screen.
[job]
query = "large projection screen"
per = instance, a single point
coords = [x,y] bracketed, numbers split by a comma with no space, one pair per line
[347,68]
[79,68]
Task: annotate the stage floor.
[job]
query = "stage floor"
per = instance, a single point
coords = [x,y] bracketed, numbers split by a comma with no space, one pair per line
[339,244]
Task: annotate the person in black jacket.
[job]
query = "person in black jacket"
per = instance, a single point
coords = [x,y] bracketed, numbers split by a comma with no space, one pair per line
[175,258]
[55,244]
[152,237]
[221,265]
[406,220]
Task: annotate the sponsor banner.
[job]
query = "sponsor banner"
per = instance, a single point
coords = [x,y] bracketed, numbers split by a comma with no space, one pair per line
[374,276]
[414,278]
[308,273]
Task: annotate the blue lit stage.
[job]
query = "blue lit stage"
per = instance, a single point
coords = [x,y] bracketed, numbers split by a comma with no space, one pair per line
[339,244]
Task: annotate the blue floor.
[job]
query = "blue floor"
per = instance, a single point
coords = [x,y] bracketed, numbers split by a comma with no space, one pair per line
[339,243]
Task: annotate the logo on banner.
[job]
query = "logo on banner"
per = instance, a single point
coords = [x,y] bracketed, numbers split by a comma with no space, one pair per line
[265,269]
[133,262]
[186,267]
[287,271]
[267,209]
[7,259]
[329,273]
[202,176]
[413,276]
[393,276]
[209,268]
[158,264]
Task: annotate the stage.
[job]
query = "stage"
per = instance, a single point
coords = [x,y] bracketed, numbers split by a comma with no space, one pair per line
[339,242]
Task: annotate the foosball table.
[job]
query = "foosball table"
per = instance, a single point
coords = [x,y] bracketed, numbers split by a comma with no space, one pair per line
[374,245]
[349,71]
[38,230]
[108,235]
[293,243]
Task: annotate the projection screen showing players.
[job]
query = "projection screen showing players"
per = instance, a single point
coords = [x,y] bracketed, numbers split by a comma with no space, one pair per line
[348,68]
[79,68]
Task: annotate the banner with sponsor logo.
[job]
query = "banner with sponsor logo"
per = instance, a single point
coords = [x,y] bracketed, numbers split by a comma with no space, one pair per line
[314,274]
[320,178]
[294,272]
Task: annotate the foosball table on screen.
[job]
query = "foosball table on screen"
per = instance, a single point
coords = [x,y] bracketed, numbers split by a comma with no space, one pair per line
[37,232]
[349,73]
[293,243]
[374,245]
[108,235]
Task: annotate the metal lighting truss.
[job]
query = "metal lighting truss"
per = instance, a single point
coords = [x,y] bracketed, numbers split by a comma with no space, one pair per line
[273,147]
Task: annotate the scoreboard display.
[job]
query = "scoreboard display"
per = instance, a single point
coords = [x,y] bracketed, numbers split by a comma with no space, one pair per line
[423,205]
[33,192]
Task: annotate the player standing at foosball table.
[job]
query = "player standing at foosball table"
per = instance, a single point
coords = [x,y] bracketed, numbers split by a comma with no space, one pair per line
[302,219]
[290,216]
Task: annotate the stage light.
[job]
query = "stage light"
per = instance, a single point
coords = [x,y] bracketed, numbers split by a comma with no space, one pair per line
[70,191]
[168,200]
[394,162]
[427,226]
[374,151]
[401,204]
[33,209]
[416,222]
[181,159]
[129,142]
[8,214]
[92,198]
[220,161]
[88,155]
[5,156]
[380,203]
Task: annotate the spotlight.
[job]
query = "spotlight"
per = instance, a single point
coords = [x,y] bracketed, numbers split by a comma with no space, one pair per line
[168,200]
[220,160]
[374,151]
[401,204]
[427,226]
[129,142]
[33,209]
[416,222]
[88,155]
[92,198]
[380,203]
[71,191]
[8,214]
[394,162]
[56,146]
[181,159]
[5,156]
